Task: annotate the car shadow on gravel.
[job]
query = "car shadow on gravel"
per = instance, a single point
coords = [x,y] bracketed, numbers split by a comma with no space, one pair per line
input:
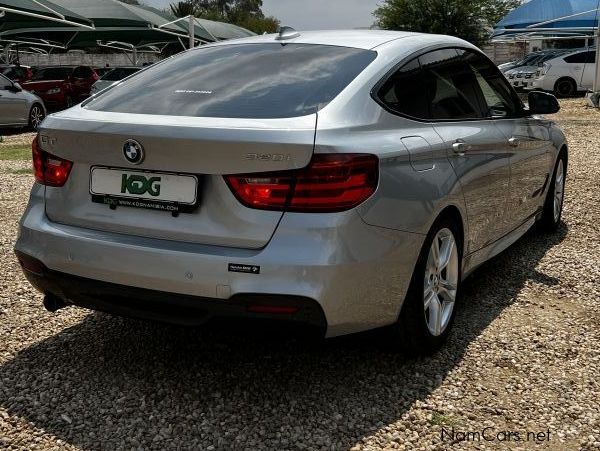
[111,383]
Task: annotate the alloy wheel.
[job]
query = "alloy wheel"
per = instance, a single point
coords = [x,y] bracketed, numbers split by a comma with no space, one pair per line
[441,282]
[36,117]
[565,88]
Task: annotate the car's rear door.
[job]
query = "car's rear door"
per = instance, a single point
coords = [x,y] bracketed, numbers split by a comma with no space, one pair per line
[589,71]
[574,67]
[472,142]
[527,141]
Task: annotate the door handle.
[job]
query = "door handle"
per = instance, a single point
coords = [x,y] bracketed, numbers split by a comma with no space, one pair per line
[459,148]
[514,142]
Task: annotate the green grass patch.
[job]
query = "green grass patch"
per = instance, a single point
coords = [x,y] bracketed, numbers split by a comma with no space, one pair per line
[15,153]
[21,171]
[438,419]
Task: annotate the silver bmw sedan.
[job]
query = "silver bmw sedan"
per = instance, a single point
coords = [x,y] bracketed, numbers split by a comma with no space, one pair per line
[343,180]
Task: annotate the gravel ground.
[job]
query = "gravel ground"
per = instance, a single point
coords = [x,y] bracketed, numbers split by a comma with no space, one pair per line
[523,358]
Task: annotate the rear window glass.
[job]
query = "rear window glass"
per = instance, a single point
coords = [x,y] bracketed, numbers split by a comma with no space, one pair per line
[240,81]
[119,73]
[52,73]
[579,58]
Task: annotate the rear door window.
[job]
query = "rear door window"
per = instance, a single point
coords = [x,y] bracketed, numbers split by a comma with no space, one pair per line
[119,73]
[581,58]
[451,86]
[404,92]
[436,86]
[240,81]
[82,72]
[500,100]
[52,73]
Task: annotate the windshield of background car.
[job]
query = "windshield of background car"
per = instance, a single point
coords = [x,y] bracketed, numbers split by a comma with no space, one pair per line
[52,73]
[240,81]
[119,73]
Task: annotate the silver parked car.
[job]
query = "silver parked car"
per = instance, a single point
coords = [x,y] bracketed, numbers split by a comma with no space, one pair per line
[19,108]
[347,180]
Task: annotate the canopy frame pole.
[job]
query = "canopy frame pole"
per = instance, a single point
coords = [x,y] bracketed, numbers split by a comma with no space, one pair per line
[191,31]
[7,52]
[597,75]
[44,17]
[47,8]
[178,34]
[40,42]
[552,30]
[570,16]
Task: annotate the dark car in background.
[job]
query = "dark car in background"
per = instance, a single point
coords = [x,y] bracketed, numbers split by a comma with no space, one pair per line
[112,76]
[16,73]
[102,70]
[62,86]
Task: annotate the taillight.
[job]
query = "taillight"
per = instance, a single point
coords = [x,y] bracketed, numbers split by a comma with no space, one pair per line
[48,169]
[331,183]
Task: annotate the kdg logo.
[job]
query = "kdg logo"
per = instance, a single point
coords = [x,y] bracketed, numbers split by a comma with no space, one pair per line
[138,184]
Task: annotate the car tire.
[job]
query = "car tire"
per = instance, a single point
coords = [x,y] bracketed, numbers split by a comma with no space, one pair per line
[429,308]
[36,116]
[553,205]
[565,87]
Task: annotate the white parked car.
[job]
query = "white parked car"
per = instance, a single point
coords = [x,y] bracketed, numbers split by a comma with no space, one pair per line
[522,77]
[568,74]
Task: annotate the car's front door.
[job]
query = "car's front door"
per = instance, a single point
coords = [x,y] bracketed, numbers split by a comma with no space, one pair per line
[526,141]
[13,106]
[473,144]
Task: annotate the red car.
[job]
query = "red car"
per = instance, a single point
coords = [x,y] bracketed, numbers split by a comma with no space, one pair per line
[61,87]
[16,73]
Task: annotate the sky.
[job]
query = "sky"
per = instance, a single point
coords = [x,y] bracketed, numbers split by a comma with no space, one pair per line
[313,14]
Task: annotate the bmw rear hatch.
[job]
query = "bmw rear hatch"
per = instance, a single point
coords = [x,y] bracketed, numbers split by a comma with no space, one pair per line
[148,156]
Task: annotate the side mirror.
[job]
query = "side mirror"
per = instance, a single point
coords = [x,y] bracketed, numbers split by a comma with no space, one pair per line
[543,103]
[15,87]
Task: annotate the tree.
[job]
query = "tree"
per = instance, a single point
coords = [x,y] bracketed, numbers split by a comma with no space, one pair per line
[184,9]
[467,19]
[245,13]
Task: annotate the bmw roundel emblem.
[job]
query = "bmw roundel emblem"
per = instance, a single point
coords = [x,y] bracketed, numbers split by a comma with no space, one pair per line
[133,151]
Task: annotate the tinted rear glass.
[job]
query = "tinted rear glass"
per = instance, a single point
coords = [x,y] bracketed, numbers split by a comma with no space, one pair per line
[52,73]
[119,73]
[240,81]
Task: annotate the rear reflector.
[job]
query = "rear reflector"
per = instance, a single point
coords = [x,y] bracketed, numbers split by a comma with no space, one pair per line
[30,264]
[331,183]
[48,169]
[273,309]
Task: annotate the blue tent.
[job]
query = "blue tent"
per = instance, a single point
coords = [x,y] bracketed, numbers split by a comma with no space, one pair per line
[578,15]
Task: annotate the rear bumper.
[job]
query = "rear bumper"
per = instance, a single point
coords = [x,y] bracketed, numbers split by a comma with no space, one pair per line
[168,307]
[357,274]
